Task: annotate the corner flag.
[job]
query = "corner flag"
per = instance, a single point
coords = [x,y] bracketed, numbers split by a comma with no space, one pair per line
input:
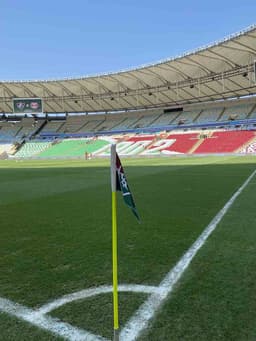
[118,183]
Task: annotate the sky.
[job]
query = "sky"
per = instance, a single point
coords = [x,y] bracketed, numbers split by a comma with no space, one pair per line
[54,39]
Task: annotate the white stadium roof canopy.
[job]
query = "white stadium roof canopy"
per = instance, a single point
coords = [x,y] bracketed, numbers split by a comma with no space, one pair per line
[224,69]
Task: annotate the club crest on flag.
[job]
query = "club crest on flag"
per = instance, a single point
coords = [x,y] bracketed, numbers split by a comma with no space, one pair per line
[122,186]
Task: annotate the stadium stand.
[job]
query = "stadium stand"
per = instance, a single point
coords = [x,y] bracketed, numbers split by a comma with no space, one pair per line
[73,148]
[182,143]
[128,122]
[249,149]
[52,126]
[30,149]
[253,113]
[183,128]
[186,117]
[145,121]
[72,124]
[225,142]
[209,115]
[108,124]
[236,113]
[15,131]
[27,126]
[9,130]
[138,144]
[164,119]
[91,125]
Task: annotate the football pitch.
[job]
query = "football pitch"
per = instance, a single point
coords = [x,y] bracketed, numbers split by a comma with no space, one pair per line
[56,241]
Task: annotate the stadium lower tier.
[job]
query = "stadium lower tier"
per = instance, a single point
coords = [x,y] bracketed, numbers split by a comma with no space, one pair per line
[198,142]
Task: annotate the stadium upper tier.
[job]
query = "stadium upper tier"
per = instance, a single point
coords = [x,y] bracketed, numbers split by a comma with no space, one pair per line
[221,70]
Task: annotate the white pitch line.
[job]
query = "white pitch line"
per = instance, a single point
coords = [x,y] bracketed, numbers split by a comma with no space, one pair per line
[140,320]
[104,289]
[52,325]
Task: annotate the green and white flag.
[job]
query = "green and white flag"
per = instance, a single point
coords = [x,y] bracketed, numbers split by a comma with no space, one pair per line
[122,185]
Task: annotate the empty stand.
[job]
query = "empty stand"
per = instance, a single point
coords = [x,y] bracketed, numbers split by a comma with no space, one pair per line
[145,121]
[91,125]
[74,148]
[27,127]
[236,113]
[209,115]
[128,122]
[9,130]
[186,117]
[32,149]
[182,142]
[164,119]
[52,126]
[73,124]
[108,124]
[224,142]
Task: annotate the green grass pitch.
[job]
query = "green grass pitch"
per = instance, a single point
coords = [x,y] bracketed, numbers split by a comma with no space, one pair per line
[55,223]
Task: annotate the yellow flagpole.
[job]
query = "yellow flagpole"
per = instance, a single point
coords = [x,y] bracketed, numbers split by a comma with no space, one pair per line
[114,243]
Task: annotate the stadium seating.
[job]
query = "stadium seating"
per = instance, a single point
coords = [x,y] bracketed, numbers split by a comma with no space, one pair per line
[145,121]
[225,142]
[182,143]
[52,126]
[157,144]
[209,115]
[90,125]
[73,148]
[72,124]
[108,124]
[164,119]
[238,112]
[128,122]
[28,126]
[9,130]
[249,149]
[32,149]
[253,113]
[186,117]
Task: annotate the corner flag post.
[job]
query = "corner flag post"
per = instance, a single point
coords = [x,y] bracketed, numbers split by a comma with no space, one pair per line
[114,242]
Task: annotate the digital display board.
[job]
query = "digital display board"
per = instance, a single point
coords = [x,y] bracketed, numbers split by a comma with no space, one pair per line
[27,105]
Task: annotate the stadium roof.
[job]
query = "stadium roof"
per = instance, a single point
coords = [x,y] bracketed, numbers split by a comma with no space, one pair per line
[224,69]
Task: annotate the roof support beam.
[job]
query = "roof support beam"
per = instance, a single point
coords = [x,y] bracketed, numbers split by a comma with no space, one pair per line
[249,48]
[220,58]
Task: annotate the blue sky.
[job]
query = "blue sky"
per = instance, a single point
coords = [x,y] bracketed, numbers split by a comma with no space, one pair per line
[55,39]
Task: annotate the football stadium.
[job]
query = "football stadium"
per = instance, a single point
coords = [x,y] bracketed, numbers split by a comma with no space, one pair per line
[169,257]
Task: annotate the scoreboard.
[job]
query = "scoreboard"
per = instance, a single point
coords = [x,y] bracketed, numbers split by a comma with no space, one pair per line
[27,105]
